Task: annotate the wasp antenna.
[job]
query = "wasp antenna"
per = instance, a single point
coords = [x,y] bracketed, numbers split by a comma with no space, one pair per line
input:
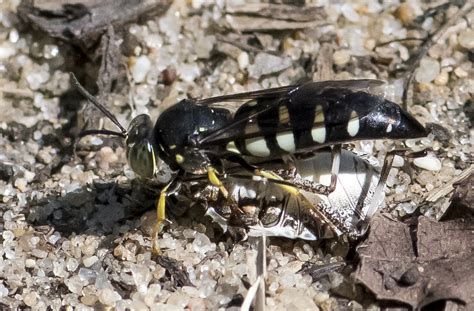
[101,132]
[101,107]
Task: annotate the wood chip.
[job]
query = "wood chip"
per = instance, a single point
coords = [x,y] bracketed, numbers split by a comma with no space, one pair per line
[274,17]
[82,23]
[280,11]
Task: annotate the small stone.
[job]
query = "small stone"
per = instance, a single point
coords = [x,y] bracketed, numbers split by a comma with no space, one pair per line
[202,244]
[39,253]
[30,263]
[72,264]
[442,78]
[429,69]
[75,284]
[341,57]
[152,294]
[466,39]
[20,184]
[265,64]
[349,12]
[204,46]
[321,297]
[44,157]
[243,60]
[108,296]
[429,162]
[141,276]
[30,299]
[398,161]
[89,261]
[178,299]
[3,291]
[87,275]
[297,299]
[169,76]
[6,172]
[188,72]
[189,233]
[461,73]
[405,13]
[139,68]
[29,176]
[89,300]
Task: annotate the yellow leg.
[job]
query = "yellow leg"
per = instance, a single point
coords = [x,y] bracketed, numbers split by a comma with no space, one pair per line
[271,175]
[212,174]
[160,217]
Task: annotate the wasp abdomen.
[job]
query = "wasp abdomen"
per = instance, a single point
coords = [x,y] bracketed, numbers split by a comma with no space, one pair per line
[306,120]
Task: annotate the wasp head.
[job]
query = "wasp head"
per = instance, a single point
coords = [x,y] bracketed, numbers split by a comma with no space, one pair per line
[141,154]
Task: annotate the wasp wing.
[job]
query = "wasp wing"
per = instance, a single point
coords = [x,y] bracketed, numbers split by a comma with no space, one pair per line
[276,92]
[269,101]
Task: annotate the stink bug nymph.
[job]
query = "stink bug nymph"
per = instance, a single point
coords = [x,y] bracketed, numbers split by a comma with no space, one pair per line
[193,137]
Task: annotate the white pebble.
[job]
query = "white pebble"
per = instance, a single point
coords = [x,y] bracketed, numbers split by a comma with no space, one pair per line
[20,184]
[265,64]
[398,161]
[442,78]
[188,72]
[140,68]
[6,50]
[429,162]
[243,60]
[341,57]
[141,277]
[108,296]
[29,176]
[30,263]
[466,39]
[30,299]
[349,13]
[461,73]
[429,69]
[89,261]
[3,291]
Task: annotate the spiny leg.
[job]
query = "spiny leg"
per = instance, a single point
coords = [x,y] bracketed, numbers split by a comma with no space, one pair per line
[387,165]
[212,175]
[315,187]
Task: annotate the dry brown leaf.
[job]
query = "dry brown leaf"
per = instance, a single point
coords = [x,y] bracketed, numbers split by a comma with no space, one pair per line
[422,266]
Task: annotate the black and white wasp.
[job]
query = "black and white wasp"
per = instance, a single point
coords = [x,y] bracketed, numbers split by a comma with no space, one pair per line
[193,137]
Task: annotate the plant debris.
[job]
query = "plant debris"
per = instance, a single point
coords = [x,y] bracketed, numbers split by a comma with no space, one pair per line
[418,267]
[83,23]
[271,17]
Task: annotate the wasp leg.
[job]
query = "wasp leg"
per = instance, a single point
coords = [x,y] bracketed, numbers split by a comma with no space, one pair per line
[387,165]
[212,175]
[269,176]
[215,181]
[311,186]
[160,216]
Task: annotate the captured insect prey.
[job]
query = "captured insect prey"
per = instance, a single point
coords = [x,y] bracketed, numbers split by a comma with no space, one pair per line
[195,137]
[269,209]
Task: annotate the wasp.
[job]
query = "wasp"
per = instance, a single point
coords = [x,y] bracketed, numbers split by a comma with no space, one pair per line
[194,137]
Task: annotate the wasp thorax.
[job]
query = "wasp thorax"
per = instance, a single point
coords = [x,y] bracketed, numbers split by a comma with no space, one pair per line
[140,152]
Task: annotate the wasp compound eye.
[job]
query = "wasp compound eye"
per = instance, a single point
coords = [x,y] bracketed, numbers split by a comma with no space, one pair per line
[140,128]
[140,151]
